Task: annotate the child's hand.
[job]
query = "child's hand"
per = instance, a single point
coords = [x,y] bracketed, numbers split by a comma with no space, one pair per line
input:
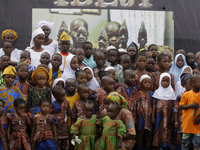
[176,125]
[197,120]
[153,120]
[27,61]
[194,105]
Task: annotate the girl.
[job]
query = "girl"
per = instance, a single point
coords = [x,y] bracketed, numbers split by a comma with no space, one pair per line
[91,80]
[35,48]
[85,128]
[111,70]
[22,72]
[60,82]
[3,127]
[39,76]
[144,110]
[70,67]
[9,93]
[162,109]
[179,63]
[44,128]
[179,89]
[49,44]
[18,123]
[113,129]
[132,50]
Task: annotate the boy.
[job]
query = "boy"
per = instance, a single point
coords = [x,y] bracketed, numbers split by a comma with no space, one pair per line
[88,60]
[99,58]
[5,59]
[150,64]
[190,60]
[125,61]
[180,51]
[80,54]
[189,105]
[55,72]
[154,51]
[45,58]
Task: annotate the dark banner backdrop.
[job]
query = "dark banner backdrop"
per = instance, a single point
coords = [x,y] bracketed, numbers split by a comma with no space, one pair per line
[18,15]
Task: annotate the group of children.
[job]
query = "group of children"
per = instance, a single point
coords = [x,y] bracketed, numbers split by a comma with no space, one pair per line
[84,99]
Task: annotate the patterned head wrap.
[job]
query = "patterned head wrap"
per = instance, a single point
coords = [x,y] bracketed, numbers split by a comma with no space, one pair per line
[9,31]
[64,36]
[116,97]
[184,79]
[37,71]
[10,70]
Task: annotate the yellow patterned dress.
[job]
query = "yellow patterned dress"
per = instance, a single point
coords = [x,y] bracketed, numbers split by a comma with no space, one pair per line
[87,130]
[111,130]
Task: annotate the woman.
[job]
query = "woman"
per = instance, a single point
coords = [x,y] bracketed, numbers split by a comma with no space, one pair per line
[125,116]
[11,36]
[48,44]
[35,48]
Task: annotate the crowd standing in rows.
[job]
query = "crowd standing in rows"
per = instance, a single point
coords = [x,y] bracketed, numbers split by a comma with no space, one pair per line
[104,99]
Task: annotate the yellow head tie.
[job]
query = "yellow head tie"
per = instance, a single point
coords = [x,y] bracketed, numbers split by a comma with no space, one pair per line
[10,70]
[8,31]
[64,36]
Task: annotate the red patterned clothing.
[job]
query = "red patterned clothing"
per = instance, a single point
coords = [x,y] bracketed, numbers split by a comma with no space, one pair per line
[129,94]
[25,88]
[3,130]
[43,129]
[19,138]
[77,110]
[156,67]
[96,71]
[163,128]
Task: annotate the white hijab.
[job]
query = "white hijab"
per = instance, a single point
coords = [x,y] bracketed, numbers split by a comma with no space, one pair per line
[109,68]
[165,93]
[68,72]
[179,90]
[54,84]
[93,84]
[45,23]
[34,34]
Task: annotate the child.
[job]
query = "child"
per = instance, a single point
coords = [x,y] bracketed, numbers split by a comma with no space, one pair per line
[99,58]
[190,59]
[189,105]
[111,70]
[162,109]
[125,61]
[39,76]
[180,51]
[9,93]
[128,91]
[154,51]
[78,108]
[170,58]
[85,127]
[113,129]
[70,67]
[18,123]
[197,60]
[80,54]
[43,134]
[113,58]
[3,130]
[45,58]
[22,72]
[150,64]
[59,82]
[132,50]
[185,82]
[55,72]
[81,76]
[144,110]
[102,92]
[7,48]
[61,109]
[5,60]
[91,81]
[88,60]
[71,95]
[179,63]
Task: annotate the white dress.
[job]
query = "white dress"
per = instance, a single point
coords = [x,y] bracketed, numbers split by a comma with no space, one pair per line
[52,47]
[15,54]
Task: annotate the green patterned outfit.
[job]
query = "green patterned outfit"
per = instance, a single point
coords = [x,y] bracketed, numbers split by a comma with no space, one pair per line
[87,128]
[111,130]
[2,81]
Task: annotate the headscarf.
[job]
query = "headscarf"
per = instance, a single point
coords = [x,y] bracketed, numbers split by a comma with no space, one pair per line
[176,71]
[165,93]
[133,45]
[37,71]
[110,47]
[21,64]
[93,84]
[45,23]
[179,89]
[116,97]
[5,32]
[54,84]
[109,68]
[68,72]
[144,77]
[10,70]
[122,50]
[64,36]
[34,34]
[185,78]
